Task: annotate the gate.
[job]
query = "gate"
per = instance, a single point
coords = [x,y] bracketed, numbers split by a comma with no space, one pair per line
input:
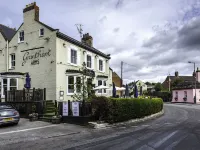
[26,100]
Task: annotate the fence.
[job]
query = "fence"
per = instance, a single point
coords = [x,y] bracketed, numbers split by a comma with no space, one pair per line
[84,116]
[24,100]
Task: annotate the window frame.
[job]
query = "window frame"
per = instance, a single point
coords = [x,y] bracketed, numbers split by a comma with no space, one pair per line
[101,65]
[75,57]
[7,85]
[19,36]
[88,61]
[40,35]
[12,61]
[75,84]
[101,91]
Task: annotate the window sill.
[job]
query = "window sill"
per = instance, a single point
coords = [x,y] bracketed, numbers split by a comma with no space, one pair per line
[11,68]
[89,68]
[73,64]
[41,35]
[20,42]
[70,94]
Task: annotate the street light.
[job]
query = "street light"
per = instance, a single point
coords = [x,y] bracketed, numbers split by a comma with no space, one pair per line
[194,79]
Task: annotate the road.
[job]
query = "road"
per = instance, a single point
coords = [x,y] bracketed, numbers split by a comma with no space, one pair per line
[178,128]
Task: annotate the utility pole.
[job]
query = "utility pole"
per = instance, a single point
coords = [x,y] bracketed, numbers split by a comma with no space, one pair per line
[121,75]
[169,82]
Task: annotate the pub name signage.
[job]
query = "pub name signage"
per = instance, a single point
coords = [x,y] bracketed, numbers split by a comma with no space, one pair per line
[36,56]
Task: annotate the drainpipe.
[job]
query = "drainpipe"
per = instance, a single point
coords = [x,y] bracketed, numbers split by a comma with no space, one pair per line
[7,57]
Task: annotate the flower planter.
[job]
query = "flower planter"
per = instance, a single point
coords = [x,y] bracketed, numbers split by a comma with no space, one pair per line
[33,118]
[176,99]
[185,99]
[56,120]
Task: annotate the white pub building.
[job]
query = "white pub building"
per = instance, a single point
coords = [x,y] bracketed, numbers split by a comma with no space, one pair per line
[51,58]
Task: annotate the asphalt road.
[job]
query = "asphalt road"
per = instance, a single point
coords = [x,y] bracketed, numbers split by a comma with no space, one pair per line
[178,128]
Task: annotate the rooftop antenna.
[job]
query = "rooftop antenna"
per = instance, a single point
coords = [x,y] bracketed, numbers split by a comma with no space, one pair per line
[80,30]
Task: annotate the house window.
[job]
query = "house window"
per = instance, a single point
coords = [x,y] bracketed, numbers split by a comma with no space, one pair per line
[8,84]
[73,56]
[5,81]
[13,84]
[71,84]
[89,61]
[185,94]
[101,82]
[78,84]
[100,65]
[74,84]
[21,36]
[12,60]
[41,32]
[176,94]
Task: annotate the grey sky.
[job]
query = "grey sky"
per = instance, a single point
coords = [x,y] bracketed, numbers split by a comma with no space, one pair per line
[157,37]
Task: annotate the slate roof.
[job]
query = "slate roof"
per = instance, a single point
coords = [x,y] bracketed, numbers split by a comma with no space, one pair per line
[187,85]
[7,32]
[76,42]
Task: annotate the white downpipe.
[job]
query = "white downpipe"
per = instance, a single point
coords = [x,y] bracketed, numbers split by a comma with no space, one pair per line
[7,57]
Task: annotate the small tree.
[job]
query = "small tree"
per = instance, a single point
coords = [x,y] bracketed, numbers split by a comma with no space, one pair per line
[158,86]
[84,88]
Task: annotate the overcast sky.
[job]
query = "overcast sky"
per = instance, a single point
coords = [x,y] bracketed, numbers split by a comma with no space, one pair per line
[158,37]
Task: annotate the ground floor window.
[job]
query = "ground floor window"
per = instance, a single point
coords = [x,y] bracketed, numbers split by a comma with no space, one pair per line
[176,94]
[8,84]
[73,84]
[102,82]
[185,94]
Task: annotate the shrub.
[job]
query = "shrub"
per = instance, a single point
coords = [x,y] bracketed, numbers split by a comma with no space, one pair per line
[121,109]
[100,108]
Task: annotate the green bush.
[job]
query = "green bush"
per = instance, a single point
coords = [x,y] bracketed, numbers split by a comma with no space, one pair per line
[122,109]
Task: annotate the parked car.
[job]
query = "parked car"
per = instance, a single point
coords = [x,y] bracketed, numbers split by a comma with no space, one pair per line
[8,115]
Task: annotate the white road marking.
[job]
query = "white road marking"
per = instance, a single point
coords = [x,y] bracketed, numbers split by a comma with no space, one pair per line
[3,133]
[165,139]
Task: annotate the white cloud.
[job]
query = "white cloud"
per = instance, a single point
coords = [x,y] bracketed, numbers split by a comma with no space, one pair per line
[143,33]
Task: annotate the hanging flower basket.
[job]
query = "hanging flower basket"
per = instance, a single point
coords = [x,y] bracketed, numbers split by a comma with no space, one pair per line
[185,98]
[176,98]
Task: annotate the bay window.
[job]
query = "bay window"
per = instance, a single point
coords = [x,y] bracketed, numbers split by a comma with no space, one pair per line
[8,84]
[74,84]
[102,82]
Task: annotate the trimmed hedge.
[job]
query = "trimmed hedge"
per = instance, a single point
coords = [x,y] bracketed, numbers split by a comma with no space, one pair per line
[121,109]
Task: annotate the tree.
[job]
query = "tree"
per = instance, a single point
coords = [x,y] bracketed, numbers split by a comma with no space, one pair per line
[158,86]
[176,82]
[147,83]
[84,86]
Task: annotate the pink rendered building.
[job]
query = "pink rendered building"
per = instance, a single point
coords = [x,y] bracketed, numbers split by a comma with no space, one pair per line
[185,92]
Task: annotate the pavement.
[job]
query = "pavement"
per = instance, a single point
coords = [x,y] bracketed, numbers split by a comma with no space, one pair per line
[178,128]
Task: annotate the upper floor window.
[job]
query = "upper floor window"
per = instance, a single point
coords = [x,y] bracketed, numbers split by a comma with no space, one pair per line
[12,60]
[41,32]
[89,61]
[73,56]
[100,65]
[21,36]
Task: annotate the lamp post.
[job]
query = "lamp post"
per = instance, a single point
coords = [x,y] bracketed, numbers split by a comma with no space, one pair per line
[194,79]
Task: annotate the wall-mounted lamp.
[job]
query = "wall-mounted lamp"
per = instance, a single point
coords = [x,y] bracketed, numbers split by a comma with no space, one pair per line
[96,56]
[64,45]
[47,38]
[84,52]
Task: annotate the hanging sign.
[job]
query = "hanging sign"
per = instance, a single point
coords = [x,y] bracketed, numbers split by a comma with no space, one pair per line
[75,108]
[65,108]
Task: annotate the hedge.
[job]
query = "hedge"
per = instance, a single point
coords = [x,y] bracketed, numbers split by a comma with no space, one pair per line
[121,109]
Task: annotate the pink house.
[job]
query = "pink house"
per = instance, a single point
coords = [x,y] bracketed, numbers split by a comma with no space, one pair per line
[185,92]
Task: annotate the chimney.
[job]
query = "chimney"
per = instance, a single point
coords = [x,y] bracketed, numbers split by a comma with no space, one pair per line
[176,73]
[87,39]
[31,13]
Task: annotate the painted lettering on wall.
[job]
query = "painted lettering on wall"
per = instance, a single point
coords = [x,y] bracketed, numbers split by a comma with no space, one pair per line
[35,57]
